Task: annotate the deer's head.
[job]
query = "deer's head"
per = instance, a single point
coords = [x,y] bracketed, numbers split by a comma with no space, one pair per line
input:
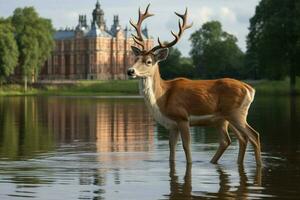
[147,60]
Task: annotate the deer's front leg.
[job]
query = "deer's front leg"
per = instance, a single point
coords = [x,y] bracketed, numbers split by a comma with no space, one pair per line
[173,139]
[183,127]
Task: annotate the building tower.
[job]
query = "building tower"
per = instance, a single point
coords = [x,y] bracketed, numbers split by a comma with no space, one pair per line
[115,28]
[98,17]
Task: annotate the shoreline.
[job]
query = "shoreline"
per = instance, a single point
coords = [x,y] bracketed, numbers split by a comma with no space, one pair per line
[123,88]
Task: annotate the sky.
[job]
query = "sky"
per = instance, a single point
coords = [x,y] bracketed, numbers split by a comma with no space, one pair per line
[233,14]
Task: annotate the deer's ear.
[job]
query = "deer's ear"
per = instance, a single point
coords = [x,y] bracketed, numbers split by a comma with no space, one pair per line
[161,54]
[136,51]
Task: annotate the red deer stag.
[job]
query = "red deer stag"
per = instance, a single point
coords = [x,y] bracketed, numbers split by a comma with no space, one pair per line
[180,103]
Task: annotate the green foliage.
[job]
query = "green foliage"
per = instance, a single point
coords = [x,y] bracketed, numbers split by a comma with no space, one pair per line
[215,53]
[34,37]
[8,50]
[273,41]
[176,66]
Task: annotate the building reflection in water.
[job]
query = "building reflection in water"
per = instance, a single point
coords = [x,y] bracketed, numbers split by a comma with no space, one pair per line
[114,126]
[33,125]
[123,128]
[109,126]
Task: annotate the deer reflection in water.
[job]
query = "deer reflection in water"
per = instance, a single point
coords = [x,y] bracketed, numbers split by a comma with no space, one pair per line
[180,190]
[227,186]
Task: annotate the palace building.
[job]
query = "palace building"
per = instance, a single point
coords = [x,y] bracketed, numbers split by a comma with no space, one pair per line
[92,51]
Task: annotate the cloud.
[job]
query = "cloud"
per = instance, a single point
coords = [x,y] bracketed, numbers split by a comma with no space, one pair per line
[227,15]
[205,14]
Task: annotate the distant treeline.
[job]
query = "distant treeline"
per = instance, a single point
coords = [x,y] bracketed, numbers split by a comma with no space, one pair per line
[26,41]
[273,47]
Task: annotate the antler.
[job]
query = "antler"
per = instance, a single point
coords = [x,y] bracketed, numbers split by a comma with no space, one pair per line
[182,28]
[139,37]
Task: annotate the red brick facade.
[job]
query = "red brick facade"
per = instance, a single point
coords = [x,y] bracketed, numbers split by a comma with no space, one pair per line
[92,52]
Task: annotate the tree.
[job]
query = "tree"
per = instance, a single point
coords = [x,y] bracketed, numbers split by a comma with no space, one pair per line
[34,37]
[215,52]
[8,50]
[273,41]
[176,66]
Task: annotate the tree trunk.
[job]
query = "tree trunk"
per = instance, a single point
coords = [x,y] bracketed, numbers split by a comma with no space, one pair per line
[292,79]
[25,83]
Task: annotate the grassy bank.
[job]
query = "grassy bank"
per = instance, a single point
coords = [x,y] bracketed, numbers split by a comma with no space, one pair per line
[124,87]
[267,87]
[78,88]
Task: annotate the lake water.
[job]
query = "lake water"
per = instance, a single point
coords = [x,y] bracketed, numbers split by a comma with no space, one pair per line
[93,148]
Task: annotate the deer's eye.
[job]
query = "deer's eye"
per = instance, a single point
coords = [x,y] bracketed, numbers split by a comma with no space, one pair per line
[148,62]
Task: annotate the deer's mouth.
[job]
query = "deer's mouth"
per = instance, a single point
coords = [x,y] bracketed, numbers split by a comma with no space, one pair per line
[132,76]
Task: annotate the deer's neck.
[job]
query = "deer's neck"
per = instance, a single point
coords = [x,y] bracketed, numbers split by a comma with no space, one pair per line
[153,89]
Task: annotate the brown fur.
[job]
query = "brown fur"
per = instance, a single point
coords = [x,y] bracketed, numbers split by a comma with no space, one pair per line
[181,97]
[228,100]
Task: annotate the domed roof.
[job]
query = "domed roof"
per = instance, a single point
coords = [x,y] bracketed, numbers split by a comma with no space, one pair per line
[98,9]
[97,32]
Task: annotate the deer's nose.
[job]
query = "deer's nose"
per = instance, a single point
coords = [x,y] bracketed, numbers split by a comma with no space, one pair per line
[130,72]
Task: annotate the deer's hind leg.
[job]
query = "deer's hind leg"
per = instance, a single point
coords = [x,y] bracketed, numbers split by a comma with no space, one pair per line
[243,140]
[225,141]
[254,139]
[242,126]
